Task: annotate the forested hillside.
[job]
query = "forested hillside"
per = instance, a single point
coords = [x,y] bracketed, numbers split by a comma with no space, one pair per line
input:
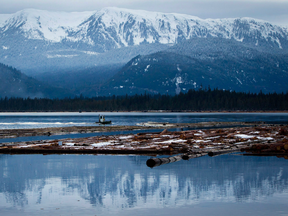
[16,84]
[200,100]
[215,62]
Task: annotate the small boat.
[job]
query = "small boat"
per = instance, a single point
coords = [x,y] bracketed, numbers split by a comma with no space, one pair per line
[102,120]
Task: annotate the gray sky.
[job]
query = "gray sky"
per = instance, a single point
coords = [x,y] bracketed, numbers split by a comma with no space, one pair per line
[275,11]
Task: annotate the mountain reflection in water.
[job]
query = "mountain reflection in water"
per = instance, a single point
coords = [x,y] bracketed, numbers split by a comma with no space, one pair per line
[124,185]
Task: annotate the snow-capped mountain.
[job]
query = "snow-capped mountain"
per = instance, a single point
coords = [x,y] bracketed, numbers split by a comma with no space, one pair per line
[36,41]
[42,39]
[114,28]
[43,25]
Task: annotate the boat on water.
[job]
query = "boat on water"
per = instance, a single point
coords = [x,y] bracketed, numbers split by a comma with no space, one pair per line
[102,120]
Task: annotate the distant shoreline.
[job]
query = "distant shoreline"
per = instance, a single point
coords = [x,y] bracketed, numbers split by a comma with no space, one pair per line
[153,111]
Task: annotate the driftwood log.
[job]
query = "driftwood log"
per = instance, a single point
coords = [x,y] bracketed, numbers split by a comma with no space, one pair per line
[190,156]
[268,139]
[153,162]
[222,152]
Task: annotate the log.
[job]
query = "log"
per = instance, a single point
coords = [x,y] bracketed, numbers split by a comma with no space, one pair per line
[153,162]
[190,156]
[222,152]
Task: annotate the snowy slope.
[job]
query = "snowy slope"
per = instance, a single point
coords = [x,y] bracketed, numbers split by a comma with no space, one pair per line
[38,24]
[123,27]
[128,27]
[36,40]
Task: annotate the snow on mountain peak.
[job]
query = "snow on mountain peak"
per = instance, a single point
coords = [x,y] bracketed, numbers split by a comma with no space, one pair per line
[41,24]
[64,19]
[124,27]
[141,26]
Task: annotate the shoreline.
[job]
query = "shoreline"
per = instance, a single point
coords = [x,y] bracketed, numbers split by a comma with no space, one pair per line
[153,111]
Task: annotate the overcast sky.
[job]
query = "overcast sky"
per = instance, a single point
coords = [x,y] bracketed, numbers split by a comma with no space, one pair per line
[275,11]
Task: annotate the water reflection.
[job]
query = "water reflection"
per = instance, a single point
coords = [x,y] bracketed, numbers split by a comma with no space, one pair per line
[101,185]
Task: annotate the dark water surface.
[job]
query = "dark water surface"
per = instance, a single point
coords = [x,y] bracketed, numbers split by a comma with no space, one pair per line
[124,185]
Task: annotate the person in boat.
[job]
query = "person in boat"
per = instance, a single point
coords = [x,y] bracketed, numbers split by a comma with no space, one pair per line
[101,118]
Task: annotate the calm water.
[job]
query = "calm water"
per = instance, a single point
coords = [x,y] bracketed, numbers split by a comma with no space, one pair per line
[40,120]
[124,185]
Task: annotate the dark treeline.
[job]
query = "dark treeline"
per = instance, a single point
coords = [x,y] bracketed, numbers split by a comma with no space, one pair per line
[193,100]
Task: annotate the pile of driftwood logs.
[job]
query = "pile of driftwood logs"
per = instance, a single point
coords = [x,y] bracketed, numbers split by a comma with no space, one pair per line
[256,140]
[11,133]
[272,142]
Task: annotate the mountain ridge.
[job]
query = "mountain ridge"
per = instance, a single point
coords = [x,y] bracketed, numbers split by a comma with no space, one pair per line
[35,39]
[181,68]
[160,27]
[43,44]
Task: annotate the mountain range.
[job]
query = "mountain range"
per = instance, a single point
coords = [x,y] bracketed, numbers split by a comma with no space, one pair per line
[112,51]
[198,63]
